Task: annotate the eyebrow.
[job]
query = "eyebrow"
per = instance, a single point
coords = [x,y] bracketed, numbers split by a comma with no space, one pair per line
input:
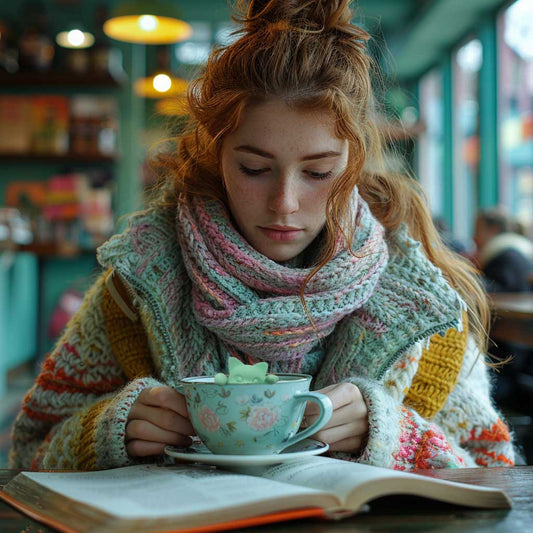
[253,150]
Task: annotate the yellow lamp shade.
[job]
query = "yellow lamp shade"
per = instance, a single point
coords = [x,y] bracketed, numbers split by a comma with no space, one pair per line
[147,22]
[160,85]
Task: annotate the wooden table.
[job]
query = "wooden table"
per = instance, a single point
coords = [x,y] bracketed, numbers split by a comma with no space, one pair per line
[388,514]
[513,313]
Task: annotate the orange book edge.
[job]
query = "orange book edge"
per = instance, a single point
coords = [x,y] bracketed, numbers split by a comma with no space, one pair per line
[283,516]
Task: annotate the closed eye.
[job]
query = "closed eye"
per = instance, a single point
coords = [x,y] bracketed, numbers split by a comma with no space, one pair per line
[319,175]
[252,171]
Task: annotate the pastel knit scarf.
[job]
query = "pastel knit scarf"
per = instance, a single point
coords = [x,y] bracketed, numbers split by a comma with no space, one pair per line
[253,303]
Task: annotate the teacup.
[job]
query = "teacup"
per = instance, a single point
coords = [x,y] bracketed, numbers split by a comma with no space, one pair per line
[252,418]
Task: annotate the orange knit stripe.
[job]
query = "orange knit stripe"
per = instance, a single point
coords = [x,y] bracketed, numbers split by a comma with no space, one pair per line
[85,448]
[128,340]
[438,371]
[38,415]
[494,457]
[497,433]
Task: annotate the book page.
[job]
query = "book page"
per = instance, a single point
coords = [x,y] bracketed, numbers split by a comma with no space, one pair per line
[326,474]
[146,491]
[356,484]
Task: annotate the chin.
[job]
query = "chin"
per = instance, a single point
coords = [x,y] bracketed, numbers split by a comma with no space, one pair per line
[280,253]
[281,256]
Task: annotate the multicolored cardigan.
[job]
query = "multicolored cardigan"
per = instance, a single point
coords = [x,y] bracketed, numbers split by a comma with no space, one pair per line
[430,408]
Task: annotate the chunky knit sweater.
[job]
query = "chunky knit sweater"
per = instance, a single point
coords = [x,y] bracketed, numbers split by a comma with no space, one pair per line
[427,393]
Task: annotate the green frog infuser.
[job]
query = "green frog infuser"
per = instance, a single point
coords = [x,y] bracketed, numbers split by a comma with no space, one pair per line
[240,372]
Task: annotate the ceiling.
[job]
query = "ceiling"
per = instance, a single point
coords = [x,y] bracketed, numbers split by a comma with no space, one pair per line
[416,32]
[432,29]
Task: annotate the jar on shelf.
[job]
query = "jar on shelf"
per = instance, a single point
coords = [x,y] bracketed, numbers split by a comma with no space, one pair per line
[36,48]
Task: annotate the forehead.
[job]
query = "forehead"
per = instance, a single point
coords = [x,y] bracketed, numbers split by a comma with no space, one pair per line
[275,122]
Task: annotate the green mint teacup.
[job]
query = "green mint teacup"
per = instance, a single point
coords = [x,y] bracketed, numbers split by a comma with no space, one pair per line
[252,418]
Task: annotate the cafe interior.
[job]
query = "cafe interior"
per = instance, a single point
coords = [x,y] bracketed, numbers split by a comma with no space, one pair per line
[86,101]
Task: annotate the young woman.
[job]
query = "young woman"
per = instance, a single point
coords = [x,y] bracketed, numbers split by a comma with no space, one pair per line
[279,236]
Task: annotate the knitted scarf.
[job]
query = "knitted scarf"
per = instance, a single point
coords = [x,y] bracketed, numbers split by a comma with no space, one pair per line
[253,304]
[211,295]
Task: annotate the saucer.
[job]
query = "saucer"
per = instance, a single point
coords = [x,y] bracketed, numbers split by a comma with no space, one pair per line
[197,452]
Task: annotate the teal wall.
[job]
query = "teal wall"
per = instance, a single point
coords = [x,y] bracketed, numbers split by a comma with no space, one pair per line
[447,173]
[488,123]
[18,311]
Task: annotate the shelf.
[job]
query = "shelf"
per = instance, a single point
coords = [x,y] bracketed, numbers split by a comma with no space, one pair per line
[60,78]
[53,158]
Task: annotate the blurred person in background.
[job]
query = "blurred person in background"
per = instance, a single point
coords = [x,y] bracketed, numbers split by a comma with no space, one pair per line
[504,256]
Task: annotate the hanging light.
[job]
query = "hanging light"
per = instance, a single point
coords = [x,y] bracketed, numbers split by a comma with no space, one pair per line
[147,22]
[75,38]
[162,84]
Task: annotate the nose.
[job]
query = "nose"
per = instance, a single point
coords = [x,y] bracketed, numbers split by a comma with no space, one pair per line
[284,196]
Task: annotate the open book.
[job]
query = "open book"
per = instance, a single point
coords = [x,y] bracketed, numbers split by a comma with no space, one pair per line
[191,497]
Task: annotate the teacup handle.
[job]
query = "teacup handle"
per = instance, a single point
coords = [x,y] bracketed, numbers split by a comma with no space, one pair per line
[326,409]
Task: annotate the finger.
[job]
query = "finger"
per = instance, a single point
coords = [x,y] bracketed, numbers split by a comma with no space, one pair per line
[145,430]
[340,394]
[142,448]
[340,433]
[350,445]
[348,414]
[163,418]
[165,397]
[342,412]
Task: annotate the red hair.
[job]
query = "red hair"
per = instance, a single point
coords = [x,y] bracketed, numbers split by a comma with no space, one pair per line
[308,54]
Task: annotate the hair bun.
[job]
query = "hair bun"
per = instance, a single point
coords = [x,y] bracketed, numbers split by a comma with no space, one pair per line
[301,15]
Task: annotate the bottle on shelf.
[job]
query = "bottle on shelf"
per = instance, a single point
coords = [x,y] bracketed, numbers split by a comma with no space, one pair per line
[36,48]
[9,54]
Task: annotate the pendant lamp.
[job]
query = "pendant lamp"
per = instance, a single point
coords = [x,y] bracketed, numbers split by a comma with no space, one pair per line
[147,22]
[75,38]
[162,83]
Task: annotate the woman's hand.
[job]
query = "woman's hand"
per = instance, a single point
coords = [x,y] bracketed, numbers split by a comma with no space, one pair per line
[347,428]
[157,418]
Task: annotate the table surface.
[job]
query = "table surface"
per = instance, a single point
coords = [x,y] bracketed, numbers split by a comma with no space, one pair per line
[513,317]
[517,304]
[388,514]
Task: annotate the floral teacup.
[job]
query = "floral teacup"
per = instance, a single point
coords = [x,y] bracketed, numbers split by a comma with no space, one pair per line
[252,418]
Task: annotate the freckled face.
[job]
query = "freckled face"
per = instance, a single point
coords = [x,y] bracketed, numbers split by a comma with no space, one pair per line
[279,167]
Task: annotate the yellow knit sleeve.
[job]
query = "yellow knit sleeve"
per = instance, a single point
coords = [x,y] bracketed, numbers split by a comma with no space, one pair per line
[128,339]
[438,371]
[85,448]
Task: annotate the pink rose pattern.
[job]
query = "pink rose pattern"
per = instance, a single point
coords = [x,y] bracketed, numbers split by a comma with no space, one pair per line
[262,418]
[209,419]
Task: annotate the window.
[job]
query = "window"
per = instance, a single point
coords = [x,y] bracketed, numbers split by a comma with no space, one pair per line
[467,63]
[515,103]
[431,141]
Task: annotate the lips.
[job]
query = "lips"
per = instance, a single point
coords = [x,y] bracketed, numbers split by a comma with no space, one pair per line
[281,233]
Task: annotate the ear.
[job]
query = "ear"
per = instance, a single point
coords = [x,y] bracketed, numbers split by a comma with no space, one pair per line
[234,363]
[262,367]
